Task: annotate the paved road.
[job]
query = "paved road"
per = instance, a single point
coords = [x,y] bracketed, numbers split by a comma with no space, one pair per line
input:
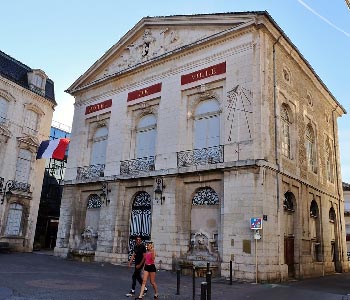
[30,276]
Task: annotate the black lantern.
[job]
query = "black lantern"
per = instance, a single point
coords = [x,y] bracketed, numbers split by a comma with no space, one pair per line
[104,194]
[158,192]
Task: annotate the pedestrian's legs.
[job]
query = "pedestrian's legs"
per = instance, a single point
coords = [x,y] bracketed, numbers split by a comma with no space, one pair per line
[144,281]
[152,278]
[136,276]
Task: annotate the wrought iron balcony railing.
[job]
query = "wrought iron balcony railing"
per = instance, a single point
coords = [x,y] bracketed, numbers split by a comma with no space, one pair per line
[90,172]
[135,166]
[12,185]
[211,155]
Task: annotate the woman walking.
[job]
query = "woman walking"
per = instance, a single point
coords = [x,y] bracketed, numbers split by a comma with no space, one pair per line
[149,270]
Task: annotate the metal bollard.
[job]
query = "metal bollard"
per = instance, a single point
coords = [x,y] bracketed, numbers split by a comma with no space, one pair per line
[203,291]
[208,267]
[208,278]
[230,272]
[194,283]
[178,281]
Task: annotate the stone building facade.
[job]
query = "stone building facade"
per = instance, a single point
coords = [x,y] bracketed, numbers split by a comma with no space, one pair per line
[186,129]
[346,193]
[27,103]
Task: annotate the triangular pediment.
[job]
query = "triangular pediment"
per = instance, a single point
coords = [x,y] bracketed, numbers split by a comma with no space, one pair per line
[156,37]
[30,141]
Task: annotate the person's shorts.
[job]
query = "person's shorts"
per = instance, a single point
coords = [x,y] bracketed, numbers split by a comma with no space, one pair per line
[150,268]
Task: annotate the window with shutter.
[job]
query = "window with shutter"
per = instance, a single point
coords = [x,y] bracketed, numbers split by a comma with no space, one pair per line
[14,220]
[3,109]
[99,146]
[23,166]
[31,122]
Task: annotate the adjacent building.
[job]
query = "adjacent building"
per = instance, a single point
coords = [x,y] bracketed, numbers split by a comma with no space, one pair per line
[27,103]
[51,194]
[346,192]
[190,131]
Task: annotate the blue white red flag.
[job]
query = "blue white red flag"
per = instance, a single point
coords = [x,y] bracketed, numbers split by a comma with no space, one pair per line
[53,149]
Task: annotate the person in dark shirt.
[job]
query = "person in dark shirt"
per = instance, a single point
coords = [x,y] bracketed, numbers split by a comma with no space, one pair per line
[138,251]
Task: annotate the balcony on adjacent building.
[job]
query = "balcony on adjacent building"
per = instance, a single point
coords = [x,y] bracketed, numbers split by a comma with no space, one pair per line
[138,165]
[203,156]
[90,172]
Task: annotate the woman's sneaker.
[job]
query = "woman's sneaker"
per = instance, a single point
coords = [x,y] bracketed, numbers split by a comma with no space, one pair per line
[145,291]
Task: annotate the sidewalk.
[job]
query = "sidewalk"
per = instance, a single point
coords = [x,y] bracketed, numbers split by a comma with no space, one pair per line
[29,276]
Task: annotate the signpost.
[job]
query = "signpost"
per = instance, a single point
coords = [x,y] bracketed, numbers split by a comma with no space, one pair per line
[256,225]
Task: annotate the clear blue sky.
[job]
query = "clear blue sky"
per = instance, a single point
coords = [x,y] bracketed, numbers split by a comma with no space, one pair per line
[64,38]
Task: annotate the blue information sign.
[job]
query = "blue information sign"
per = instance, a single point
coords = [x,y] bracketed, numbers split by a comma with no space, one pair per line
[255,223]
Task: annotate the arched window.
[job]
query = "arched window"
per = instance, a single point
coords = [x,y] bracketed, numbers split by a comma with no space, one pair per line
[94,201]
[288,203]
[285,120]
[146,133]
[329,161]
[332,215]
[23,165]
[3,109]
[99,146]
[315,231]
[92,217]
[205,196]
[311,148]
[314,209]
[14,220]
[207,124]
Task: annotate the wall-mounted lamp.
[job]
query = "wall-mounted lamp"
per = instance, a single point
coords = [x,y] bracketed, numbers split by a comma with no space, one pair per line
[158,192]
[105,192]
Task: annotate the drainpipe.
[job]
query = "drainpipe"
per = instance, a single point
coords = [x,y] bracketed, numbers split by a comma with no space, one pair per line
[276,141]
[339,195]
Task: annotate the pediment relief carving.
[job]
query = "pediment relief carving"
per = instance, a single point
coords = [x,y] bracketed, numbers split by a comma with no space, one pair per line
[158,37]
[153,43]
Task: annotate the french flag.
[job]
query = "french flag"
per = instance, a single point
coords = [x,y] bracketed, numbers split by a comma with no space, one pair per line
[53,149]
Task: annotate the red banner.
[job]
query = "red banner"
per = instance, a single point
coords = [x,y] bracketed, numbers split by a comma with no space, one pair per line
[156,88]
[204,73]
[98,106]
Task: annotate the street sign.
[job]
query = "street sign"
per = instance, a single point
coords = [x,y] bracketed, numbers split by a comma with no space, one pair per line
[255,223]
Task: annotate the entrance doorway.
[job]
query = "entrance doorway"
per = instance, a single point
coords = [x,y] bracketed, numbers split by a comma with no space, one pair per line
[140,219]
[289,255]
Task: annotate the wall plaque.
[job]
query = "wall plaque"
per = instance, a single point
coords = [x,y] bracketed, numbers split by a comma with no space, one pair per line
[156,88]
[98,106]
[204,73]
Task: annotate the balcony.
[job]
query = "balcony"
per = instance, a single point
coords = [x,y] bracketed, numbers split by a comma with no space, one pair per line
[90,172]
[136,166]
[12,186]
[211,155]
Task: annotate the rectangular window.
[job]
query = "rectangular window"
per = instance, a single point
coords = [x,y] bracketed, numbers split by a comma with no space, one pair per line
[3,109]
[30,124]
[23,166]
[14,219]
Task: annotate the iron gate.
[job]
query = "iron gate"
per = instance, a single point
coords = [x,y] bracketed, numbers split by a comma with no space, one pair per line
[141,218]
